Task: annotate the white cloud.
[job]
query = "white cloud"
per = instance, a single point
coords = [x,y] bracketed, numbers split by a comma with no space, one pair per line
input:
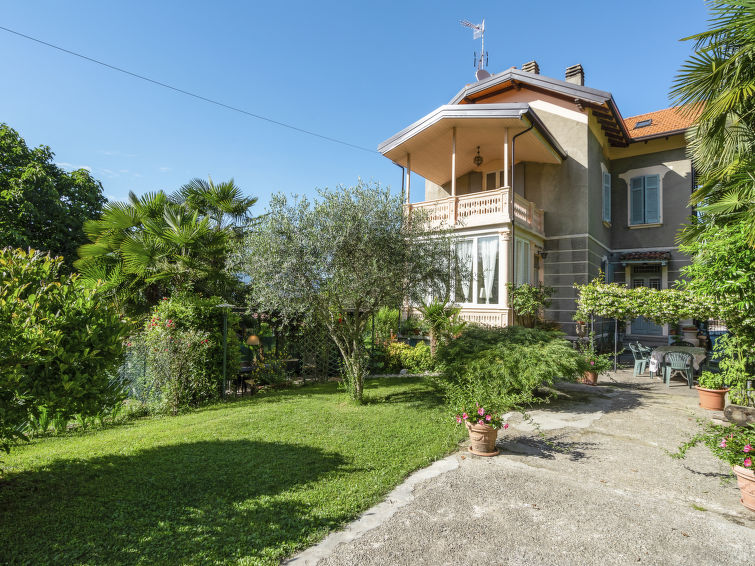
[73,167]
[165,169]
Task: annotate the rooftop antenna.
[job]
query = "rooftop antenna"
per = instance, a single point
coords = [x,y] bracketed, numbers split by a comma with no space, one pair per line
[481,61]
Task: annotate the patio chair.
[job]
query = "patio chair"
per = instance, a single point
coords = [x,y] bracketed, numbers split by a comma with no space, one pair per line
[640,360]
[678,362]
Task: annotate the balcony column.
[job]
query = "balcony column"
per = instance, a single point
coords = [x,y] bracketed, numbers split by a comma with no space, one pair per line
[408,177]
[453,174]
[504,267]
[506,157]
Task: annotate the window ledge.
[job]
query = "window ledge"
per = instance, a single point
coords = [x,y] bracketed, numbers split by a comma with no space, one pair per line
[654,225]
[606,224]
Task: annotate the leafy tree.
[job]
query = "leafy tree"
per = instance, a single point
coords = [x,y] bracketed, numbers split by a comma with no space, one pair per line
[443,321]
[156,245]
[42,206]
[339,260]
[61,343]
[718,82]
[528,302]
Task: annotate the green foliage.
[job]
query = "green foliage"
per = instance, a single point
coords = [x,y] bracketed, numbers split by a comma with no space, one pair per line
[250,482]
[718,82]
[732,444]
[177,360]
[61,343]
[413,326]
[158,245]
[338,260]
[592,361]
[528,302]
[502,368]
[443,320]
[662,306]
[736,360]
[710,380]
[42,206]
[271,370]
[415,359]
[386,323]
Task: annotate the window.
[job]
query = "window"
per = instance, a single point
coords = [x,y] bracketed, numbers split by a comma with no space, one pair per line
[493,180]
[606,197]
[643,123]
[487,270]
[522,266]
[645,200]
[464,275]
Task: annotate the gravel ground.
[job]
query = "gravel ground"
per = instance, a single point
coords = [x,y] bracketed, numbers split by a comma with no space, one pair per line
[599,489]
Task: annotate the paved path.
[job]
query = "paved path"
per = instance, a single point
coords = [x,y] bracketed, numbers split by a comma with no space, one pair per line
[607,493]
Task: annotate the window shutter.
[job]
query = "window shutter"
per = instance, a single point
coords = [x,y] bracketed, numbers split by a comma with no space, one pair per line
[606,197]
[636,200]
[652,199]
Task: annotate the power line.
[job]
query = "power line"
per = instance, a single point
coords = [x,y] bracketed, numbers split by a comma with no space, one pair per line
[187,93]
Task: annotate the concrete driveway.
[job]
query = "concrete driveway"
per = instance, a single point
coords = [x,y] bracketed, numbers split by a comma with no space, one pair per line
[601,490]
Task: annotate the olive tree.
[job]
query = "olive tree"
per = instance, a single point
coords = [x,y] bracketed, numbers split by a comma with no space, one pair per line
[341,257]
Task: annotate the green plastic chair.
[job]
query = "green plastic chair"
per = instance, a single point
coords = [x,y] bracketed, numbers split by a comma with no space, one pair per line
[640,360]
[678,362]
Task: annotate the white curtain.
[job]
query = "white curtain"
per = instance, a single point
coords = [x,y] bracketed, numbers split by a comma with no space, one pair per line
[488,254]
[464,250]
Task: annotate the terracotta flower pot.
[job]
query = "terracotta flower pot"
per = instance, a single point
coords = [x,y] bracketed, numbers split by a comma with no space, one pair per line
[589,378]
[712,399]
[746,483]
[482,439]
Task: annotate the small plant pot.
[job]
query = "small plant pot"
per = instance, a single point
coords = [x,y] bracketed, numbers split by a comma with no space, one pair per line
[712,399]
[589,378]
[746,483]
[482,439]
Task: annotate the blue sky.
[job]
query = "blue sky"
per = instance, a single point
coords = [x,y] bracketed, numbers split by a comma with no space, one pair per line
[356,71]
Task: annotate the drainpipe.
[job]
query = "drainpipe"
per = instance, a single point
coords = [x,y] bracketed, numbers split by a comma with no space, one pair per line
[513,220]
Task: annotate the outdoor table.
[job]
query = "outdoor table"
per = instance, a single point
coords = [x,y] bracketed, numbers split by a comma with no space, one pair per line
[656,356]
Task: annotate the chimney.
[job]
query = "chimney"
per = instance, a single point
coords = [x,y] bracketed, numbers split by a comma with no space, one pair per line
[531,67]
[575,74]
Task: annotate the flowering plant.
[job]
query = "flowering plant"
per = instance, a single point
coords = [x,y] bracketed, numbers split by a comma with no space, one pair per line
[479,416]
[592,361]
[733,444]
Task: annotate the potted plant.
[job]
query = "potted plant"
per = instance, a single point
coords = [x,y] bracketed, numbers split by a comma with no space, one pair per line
[482,427]
[711,387]
[735,445]
[593,364]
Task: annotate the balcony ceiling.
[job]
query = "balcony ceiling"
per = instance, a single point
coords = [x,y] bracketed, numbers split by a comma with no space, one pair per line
[429,140]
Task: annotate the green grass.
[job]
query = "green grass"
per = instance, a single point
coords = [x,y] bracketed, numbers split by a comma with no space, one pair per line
[247,482]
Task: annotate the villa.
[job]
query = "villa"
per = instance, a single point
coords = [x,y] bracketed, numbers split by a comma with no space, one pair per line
[545,181]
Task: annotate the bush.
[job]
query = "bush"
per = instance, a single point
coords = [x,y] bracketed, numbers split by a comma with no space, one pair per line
[528,301]
[189,312]
[395,356]
[177,362]
[62,342]
[386,323]
[502,368]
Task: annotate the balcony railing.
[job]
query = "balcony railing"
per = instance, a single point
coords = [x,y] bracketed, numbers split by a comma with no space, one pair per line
[481,209]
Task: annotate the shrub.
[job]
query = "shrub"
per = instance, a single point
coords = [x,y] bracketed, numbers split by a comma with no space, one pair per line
[62,342]
[386,323]
[503,368]
[528,301]
[177,362]
[189,312]
[271,370]
[415,359]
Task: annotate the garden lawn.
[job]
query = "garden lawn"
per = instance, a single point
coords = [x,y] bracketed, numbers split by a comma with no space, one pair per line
[247,482]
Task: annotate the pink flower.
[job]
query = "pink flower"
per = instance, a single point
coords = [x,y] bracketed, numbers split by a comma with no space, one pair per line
[458,419]
[480,411]
[489,418]
[723,443]
[505,426]
[480,422]
[464,416]
[748,462]
[747,448]
[592,363]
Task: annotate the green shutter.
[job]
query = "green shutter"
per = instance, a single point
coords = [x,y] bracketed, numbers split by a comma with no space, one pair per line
[636,201]
[606,197]
[652,199]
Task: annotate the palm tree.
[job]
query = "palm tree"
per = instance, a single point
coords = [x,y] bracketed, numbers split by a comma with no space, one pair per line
[718,82]
[154,245]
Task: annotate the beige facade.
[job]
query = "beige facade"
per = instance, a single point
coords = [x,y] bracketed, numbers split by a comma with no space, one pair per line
[540,178]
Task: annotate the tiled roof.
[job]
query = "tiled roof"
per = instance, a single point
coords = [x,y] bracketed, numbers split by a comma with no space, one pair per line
[666,121]
[645,256]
